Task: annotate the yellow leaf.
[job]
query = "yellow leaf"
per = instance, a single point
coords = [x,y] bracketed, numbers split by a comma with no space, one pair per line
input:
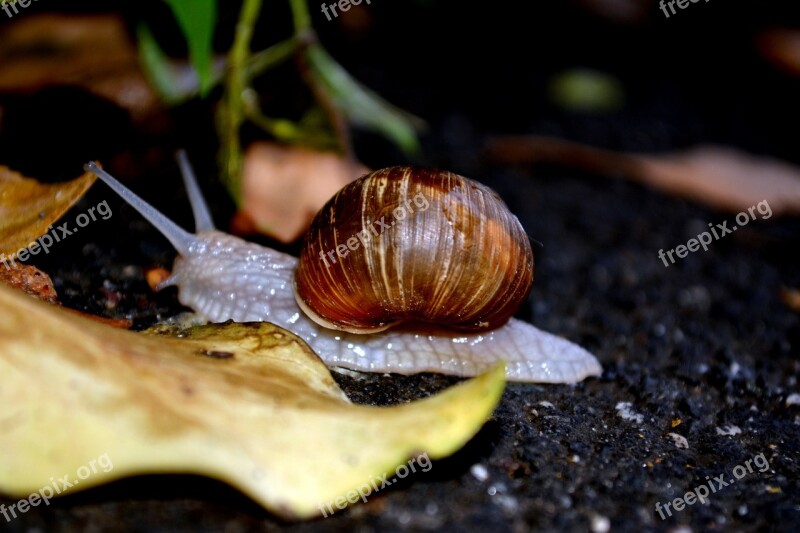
[28,208]
[249,404]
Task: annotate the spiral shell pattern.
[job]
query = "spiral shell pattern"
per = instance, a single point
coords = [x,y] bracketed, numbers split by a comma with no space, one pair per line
[406,244]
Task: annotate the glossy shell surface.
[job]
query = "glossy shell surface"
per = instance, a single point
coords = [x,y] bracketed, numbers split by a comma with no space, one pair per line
[406,244]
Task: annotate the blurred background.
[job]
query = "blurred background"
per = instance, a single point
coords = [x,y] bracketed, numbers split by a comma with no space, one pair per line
[715,72]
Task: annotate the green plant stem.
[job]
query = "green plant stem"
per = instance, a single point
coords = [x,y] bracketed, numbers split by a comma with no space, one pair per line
[304,30]
[336,118]
[242,66]
[273,56]
[282,129]
[232,110]
[301,16]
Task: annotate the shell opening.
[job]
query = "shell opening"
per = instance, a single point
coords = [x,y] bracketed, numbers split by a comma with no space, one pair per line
[330,325]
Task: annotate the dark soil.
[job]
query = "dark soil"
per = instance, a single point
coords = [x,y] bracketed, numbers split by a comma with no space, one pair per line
[704,350]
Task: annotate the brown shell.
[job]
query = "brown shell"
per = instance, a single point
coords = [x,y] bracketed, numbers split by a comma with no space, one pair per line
[411,244]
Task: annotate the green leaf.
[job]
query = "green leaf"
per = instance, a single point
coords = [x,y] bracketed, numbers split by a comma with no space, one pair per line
[156,66]
[197,19]
[362,106]
[584,90]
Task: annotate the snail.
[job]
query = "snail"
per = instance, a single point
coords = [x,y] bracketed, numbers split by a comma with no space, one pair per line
[363,293]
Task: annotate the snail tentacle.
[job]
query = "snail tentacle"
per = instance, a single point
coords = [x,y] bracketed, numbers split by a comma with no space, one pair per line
[202,215]
[181,239]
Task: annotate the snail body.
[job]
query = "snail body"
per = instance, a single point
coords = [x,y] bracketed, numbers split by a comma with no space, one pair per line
[223,277]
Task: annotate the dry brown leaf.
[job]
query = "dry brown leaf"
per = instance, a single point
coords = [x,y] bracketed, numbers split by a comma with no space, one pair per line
[90,51]
[284,187]
[781,46]
[38,284]
[30,280]
[121,323]
[791,297]
[249,404]
[723,178]
[28,208]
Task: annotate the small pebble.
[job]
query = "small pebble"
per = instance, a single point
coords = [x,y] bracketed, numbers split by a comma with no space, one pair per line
[625,410]
[679,440]
[479,472]
[507,503]
[742,510]
[156,276]
[696,298]
[600,524]
[729,430]
[131,271]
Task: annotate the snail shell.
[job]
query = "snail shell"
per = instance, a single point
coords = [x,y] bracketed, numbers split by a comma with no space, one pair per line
[411,244]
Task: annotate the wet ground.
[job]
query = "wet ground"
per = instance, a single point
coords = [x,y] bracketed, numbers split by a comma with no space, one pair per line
[699,390]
